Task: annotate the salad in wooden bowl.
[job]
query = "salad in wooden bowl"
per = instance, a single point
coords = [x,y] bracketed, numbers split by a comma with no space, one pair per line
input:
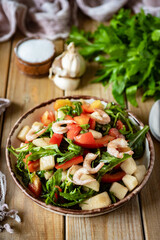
[80,155]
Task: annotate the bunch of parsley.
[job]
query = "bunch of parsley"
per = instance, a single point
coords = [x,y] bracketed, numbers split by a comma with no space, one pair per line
[128,51]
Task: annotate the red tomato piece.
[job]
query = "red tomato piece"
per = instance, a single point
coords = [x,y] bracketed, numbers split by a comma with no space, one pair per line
[109,178]
[35,186]
[114,133]
[86,108]
[92,123]
[68,164]
[67,117]
[56,139]
[34,166]
[119,125]
[117,166]
[74,130]
[47,118]
[82,119]
[87,140]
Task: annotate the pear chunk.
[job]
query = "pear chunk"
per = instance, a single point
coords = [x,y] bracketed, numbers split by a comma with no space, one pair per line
[118,190]
[129,166]
[140,173]
[99,201]
[23,132]
[130,181]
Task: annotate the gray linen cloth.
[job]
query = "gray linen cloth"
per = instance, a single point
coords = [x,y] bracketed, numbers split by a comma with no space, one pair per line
[52,18]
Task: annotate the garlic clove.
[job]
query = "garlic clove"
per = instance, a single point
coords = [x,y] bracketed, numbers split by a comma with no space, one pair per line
[66,83]
[73,62]
[57,67]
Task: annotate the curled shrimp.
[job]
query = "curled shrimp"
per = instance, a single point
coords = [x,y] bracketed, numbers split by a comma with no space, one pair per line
[87,163]
[77,177]
[100,116]
[57,128]
[31,135]
[118,147]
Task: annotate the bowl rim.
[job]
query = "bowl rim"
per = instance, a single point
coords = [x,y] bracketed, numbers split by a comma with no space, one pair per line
[73,212]
[36,64]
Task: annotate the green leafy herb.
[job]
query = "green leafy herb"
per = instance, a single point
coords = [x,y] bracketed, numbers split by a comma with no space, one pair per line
[136,142]
[110,162]
[132,46]
[85,126]
[75,109]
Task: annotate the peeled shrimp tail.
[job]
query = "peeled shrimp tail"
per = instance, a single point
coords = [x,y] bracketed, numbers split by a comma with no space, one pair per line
[100,116]
[77,177]
[31,135]
[57,126]
[87,163]
[115,145]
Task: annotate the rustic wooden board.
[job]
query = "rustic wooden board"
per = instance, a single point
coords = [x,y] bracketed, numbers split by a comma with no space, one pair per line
[37,223]
[114,225]
[25,93]
[150,195]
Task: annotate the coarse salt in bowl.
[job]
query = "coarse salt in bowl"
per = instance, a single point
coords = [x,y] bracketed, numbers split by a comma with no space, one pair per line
[34,56]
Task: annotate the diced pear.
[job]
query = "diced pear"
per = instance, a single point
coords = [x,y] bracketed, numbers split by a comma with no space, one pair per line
[60,114]
[96,134]
[140,173]
[64,175]
[129,166]
[74,169]
[99,201]
[118,190]
[93,185]
[47,140]
[41,142]
[130,181]
[23,132]
[47,163]
[48,174]
[37,126]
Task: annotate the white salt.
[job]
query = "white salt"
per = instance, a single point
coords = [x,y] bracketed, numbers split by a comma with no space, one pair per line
[35,50]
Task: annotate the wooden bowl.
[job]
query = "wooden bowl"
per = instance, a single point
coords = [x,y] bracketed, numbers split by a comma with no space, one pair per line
[36,69]
[34,115]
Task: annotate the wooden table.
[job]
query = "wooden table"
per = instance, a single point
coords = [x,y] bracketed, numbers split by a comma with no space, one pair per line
[138,219]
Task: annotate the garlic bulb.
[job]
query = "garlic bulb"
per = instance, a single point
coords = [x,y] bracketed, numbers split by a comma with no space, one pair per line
[69,64]
[72,62]
[65,83]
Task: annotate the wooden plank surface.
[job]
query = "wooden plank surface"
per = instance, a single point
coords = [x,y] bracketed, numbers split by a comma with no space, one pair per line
[25,93]
[37,223]
[150,195]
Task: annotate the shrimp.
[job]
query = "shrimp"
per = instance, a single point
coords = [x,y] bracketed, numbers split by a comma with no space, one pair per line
[118,147]
[87,163]
[77,177]
[32,134]
[100,116]
[57,128]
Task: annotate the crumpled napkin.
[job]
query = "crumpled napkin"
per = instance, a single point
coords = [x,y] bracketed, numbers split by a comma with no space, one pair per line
[4,210]
[52,18]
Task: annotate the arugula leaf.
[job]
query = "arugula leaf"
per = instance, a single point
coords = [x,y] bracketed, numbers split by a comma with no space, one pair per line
[85,126]
[75,109]
[136,142]
[110,162]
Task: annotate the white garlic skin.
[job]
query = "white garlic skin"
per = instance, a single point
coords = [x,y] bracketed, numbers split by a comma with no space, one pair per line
[72,62]
[66,83]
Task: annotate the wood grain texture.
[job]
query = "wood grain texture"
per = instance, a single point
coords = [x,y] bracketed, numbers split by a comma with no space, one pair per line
[5,50]
[150,195]
[114,225]
[25,93]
